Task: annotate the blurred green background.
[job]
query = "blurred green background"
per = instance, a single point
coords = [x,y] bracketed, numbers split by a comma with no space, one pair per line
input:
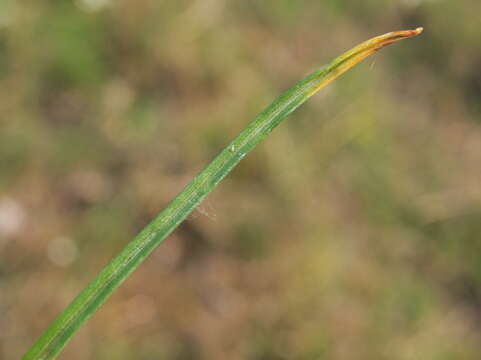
[352,232]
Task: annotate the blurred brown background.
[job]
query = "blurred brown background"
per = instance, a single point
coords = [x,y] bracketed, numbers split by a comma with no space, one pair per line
[352,232]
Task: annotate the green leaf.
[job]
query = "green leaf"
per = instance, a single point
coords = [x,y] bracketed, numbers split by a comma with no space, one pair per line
[96,293]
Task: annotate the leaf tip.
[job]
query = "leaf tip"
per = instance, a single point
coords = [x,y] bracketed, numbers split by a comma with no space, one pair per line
[402,34]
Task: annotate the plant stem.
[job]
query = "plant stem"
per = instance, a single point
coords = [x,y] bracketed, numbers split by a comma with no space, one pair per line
[96,293]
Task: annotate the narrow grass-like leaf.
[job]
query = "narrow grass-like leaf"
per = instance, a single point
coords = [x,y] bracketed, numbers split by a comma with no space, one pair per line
[94,295]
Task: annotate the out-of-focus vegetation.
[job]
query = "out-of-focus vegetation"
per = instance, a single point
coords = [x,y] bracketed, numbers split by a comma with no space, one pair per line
[353,232]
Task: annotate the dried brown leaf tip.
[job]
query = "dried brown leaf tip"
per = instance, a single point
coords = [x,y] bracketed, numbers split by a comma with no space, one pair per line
[358,53]
[395,36]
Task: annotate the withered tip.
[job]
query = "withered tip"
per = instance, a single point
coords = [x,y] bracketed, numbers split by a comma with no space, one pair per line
[411,33]
[419,30]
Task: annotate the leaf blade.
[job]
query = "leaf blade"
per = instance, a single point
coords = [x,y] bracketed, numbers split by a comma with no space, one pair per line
[52,341]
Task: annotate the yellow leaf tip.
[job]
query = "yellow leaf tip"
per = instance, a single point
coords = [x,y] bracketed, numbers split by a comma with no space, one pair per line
[407,33]
[419,30]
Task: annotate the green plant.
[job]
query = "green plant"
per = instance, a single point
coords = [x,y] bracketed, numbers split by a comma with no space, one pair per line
[94,295]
